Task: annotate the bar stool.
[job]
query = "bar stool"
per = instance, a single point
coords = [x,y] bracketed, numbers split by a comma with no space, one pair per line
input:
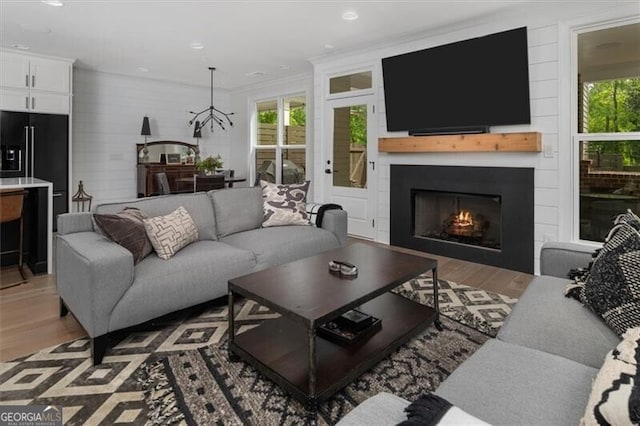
[11,202]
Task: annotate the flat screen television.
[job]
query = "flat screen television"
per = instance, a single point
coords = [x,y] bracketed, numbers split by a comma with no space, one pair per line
[459,87]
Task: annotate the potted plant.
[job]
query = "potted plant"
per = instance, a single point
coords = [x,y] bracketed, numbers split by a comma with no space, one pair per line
[210,164]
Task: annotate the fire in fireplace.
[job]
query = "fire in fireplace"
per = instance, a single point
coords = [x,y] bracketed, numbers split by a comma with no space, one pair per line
[457,217]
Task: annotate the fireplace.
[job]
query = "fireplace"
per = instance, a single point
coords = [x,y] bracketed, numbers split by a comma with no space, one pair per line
[480,214]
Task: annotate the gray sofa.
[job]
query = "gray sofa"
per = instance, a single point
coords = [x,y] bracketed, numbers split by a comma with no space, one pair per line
[98,282]
[539,369]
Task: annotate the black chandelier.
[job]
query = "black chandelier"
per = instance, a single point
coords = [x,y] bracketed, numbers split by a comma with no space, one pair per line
[220,118]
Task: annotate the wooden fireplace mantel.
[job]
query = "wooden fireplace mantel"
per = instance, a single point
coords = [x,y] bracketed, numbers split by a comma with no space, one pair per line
[481,142]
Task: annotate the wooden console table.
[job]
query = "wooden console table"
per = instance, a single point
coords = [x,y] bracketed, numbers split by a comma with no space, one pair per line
[147,185]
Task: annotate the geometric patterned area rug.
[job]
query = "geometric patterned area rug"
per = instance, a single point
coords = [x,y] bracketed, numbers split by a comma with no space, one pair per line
[481,309]
[114,392]
[202,387]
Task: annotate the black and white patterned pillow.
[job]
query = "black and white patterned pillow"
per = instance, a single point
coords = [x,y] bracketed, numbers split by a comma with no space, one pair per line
[611,288]
[615,394]
[168,234]
[284,204]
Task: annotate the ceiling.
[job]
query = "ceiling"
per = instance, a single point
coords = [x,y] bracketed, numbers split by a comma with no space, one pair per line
[247,41]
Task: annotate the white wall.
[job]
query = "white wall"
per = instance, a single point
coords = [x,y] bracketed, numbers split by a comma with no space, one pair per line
[107,119]
[544,24]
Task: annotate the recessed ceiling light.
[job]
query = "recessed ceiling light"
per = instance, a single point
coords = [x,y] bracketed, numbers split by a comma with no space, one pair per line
[329,46]
[284,67]
[255,73]
[56,3]
[197,45]
[143,69]
[349,15]
[20,47]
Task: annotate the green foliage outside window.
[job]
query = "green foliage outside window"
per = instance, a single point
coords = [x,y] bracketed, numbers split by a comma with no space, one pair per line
[614,107]
[358,125]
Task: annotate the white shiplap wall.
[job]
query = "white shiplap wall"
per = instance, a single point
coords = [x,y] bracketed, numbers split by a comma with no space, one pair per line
[543,29]
[108,111]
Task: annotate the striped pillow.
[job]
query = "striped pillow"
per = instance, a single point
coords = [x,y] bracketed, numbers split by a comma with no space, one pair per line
[615,395]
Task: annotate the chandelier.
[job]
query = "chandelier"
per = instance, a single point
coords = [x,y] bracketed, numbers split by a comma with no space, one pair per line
[212,114]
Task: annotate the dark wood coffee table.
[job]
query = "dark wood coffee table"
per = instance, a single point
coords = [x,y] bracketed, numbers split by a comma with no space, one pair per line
[286,349]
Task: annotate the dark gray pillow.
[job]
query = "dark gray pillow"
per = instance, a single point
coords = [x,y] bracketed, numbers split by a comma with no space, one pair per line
[611,288]
[127,229]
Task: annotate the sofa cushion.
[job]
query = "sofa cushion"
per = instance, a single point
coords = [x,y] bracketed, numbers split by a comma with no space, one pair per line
[546,320]
[127,229]
[196,274]
[612,286]
[171,232]
[237,209]
[509,384]
[284,204]
[282,244]
[198,205]
[381,409]
[614,397]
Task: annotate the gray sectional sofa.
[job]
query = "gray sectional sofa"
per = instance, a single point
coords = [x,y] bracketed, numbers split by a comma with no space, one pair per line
[98,282]
[539,369]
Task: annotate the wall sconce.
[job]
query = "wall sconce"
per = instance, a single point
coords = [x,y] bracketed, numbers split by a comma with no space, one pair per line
[197,133]
[146,131]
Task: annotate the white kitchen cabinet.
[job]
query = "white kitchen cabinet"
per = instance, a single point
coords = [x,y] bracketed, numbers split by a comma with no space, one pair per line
[34,84]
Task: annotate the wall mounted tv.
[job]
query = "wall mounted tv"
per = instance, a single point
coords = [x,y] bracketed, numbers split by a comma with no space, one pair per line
[459,87]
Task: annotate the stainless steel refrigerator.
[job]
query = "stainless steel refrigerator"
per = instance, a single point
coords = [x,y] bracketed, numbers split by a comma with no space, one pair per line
[37,145]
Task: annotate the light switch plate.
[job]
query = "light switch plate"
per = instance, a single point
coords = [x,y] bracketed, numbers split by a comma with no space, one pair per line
[548,151]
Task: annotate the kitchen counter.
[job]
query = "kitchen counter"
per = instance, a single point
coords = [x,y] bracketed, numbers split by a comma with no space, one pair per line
[29,183]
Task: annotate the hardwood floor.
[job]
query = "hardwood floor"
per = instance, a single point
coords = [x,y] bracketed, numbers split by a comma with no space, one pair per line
[30,321]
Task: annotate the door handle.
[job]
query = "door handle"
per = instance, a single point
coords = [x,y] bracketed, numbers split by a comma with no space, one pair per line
[327,171]
[26,102]
[373,164]
[26,142]
[33,151]
[26,80]
[57,194]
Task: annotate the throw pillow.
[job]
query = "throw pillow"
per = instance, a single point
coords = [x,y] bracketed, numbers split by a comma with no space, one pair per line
[431,409]
[127,229]
[284,204]
[615,394]
[611,288]
[170,233]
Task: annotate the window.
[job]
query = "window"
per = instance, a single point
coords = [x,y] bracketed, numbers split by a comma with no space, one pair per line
[350,82]
[281,137]
[608,127]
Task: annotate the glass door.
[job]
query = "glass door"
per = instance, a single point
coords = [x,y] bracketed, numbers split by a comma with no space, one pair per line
[350,164]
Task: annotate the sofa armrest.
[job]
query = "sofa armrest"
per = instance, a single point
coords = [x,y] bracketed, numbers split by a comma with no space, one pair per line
[336,222]
[92,275]
[557,259]
[69,223]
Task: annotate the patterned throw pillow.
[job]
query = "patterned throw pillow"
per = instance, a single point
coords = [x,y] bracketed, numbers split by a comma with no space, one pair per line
[127,229]
[172,232]
[615,394]
[284,204]
[611,287]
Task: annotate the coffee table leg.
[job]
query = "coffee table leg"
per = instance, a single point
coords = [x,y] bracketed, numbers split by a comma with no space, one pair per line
[232,331]
[312,404]
[436,302]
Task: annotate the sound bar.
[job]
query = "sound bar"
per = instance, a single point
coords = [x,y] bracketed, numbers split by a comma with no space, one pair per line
[449,130]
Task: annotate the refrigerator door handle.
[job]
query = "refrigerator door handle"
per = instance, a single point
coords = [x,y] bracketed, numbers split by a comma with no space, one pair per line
[33,152]
[26,142]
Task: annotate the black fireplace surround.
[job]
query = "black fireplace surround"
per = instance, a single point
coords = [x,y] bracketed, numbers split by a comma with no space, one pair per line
[513,186]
